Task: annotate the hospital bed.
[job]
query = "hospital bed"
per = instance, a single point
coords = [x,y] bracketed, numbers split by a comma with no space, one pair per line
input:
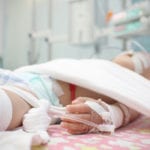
[135,136]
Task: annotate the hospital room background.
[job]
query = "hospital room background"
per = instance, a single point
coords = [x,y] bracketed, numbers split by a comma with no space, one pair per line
[35,31]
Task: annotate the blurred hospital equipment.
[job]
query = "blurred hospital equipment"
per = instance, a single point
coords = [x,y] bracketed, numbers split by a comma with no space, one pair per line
[1,31]
[81,21]
[81,24]
[81,27]
[133,21]
[71,25]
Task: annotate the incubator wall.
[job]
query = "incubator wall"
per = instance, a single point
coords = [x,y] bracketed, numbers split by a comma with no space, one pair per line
[144,40]
[21,18]
[20,21]
[1,31]
[132,25]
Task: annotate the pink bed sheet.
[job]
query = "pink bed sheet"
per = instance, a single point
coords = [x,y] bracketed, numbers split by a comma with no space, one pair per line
[135,136]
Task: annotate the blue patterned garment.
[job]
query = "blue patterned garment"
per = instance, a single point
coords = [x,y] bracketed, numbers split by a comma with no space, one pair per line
[40,85]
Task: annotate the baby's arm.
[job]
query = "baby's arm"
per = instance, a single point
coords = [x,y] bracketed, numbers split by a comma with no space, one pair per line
[124,115]
[121,116]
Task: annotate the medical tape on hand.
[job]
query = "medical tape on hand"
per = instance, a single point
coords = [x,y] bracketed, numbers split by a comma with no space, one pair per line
[106,126]
[126,114]
[96,127]
[99,109]
[61,112]
[104,111]
[116,115]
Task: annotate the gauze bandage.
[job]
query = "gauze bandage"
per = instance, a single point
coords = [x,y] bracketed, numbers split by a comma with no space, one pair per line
[116,115]
[28,97]
[37,119]
[5,110]
[111,115]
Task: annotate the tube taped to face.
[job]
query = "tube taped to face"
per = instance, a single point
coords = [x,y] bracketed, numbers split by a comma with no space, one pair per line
[141,61]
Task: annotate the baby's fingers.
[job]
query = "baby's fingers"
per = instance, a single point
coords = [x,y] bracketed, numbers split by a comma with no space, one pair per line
[75,128]
[79,100]
[73,117]
[78,108]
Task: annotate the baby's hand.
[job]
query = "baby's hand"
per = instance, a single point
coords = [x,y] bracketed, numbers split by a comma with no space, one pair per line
[81,110]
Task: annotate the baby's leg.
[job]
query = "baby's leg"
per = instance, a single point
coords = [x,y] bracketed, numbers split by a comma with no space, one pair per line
[14,106]
[19,107]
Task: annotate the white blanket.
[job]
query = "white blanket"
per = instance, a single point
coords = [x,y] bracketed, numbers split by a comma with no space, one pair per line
[19,140]
[101,76]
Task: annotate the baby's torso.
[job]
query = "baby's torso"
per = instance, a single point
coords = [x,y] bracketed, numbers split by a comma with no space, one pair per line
[42,86]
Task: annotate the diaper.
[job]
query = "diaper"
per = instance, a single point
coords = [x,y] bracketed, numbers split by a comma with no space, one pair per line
[41,86]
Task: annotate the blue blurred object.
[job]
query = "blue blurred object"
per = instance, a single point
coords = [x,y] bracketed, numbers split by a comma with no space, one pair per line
[143,40]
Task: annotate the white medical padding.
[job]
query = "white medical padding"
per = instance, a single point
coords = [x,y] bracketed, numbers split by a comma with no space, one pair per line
[138,66]
[111,115]
[5,110]
[37,119]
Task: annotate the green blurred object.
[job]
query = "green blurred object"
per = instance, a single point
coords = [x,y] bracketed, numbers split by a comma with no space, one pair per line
[143,40]
[41,147]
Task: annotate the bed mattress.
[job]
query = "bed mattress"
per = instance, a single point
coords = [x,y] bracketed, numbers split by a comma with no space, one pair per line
[135,136]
